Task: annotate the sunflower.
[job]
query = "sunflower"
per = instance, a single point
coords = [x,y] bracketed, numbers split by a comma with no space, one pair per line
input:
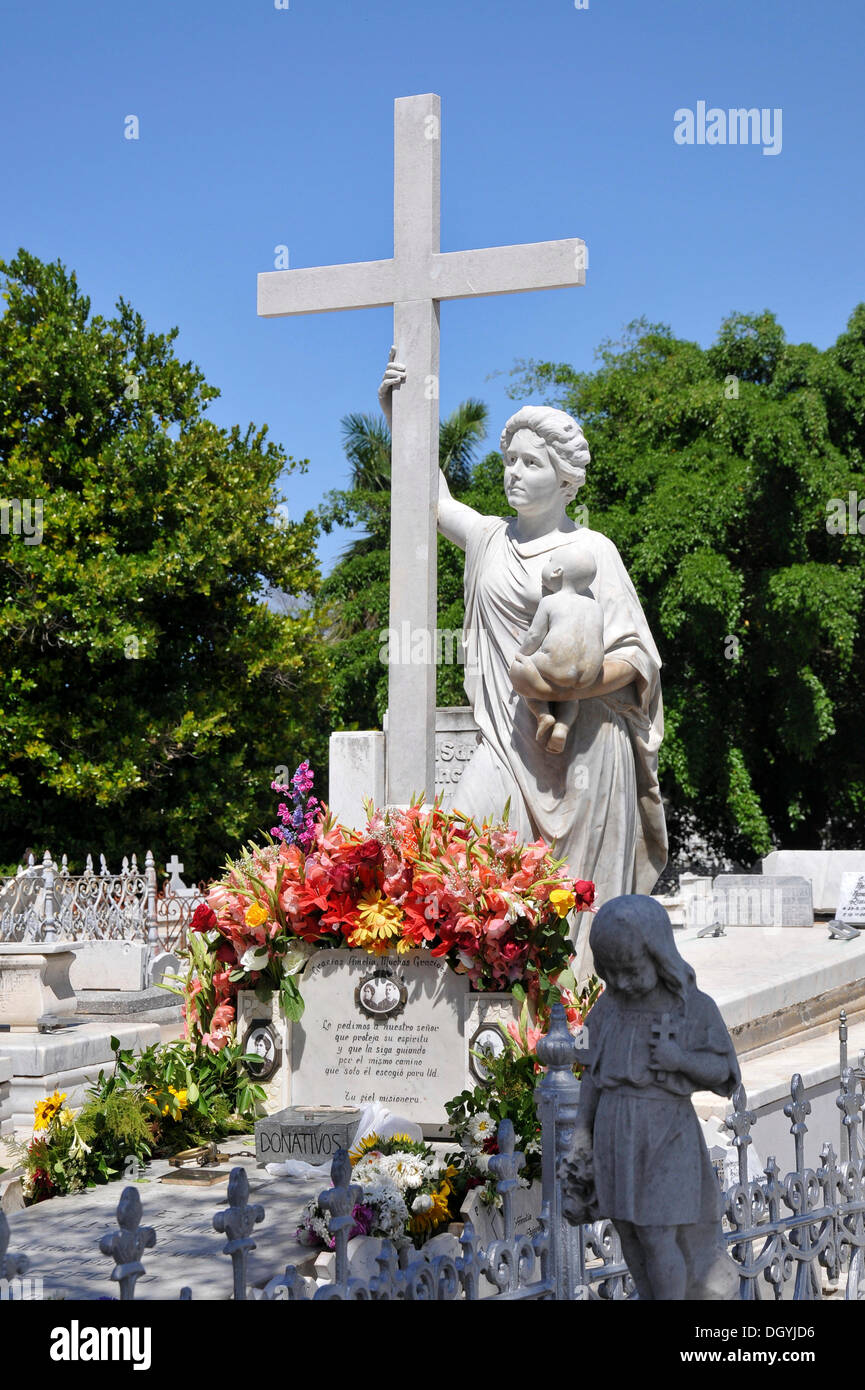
[44,1111]
[375,1141]
[423,1222]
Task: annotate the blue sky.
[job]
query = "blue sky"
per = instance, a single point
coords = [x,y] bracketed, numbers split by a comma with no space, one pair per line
[262,126]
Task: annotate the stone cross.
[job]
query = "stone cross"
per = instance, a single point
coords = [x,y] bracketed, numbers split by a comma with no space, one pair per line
[414,280]
[174,866]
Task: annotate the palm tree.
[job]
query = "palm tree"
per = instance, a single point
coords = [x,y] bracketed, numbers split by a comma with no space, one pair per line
[356,592]
[367,445]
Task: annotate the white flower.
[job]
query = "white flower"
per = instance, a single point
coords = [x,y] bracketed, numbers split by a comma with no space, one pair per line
[296,957]
[367,1169]
[383,1195]
[406,1169]
[255,958]
[481,1127]
[422,1202]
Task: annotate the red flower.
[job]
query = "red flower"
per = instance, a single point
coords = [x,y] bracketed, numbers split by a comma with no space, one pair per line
[367,853]
[203,918]
[584,892]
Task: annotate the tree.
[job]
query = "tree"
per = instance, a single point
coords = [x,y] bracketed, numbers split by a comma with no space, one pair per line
[730,480]
[358,589]
[147,692]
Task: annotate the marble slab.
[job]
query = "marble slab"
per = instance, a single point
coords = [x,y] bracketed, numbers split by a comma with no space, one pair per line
[380,1029]
[753,900]
[823,867]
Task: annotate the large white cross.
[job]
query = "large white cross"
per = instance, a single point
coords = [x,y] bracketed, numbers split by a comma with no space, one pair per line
[416,277]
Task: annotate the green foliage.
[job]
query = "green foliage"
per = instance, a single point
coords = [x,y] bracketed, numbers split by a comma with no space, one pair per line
[171,1097]
[508,1095]
[714,471]
[148,692]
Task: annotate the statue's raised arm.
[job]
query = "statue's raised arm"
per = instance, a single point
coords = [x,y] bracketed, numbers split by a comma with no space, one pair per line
[454,518]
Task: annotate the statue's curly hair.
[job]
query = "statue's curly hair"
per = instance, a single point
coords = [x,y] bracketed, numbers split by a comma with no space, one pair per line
[563,437]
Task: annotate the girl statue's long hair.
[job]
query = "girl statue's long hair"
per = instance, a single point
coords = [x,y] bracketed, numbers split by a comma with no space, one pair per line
[637,919]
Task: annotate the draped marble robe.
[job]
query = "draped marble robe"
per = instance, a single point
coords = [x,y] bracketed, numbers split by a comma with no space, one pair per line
[598,800]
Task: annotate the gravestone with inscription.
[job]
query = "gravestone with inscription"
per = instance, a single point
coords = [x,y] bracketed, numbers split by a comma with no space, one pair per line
[851,900]
[385,1030]
[753,900]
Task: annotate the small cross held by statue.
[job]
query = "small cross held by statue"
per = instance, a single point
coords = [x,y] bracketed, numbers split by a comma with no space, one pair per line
[663,1032]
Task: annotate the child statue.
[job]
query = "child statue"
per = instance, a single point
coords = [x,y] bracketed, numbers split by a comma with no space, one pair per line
[564,644]
[654,1039]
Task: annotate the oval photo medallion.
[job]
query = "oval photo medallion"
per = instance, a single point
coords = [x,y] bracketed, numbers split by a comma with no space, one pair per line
[379,995]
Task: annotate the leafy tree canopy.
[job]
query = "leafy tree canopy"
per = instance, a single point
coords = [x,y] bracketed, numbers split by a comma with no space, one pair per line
[714,472]
[147,692]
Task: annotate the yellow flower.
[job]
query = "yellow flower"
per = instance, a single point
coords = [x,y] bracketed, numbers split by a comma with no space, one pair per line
[181,1098]
[66,1116]
[45,1110]
[255,915]
[562,900]
[379,923]
[364,1146]
[422,1221]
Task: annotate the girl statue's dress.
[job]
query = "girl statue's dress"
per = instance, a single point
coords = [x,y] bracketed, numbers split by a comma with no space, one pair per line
[651,1163]
[599,799]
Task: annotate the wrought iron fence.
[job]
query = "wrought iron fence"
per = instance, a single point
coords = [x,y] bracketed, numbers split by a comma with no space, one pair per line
[780,1232]
[44,902]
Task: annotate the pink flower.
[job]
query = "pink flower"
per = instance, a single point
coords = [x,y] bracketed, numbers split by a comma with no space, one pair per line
[220,1027]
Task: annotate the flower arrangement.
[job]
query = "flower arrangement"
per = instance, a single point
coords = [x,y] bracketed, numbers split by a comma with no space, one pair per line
[407,1193]
[170,1097]
[420,878]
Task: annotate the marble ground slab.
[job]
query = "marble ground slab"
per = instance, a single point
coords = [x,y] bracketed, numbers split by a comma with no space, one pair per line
[770,983]
[61,1236]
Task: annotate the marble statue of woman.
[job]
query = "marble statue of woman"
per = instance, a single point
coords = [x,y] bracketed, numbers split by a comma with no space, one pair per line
[597,800]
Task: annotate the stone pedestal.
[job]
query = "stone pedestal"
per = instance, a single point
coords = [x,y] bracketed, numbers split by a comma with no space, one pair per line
[312,1135]
[357,770]
[34,980]
[263,1030]
[119,965]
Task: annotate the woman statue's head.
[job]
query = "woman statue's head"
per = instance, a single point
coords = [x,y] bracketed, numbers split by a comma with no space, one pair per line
[539,435]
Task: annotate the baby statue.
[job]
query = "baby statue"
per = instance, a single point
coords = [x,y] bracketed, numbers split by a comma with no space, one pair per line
[638,1155]
[565,644]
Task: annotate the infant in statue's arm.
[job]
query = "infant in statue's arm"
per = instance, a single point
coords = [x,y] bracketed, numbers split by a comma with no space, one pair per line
[564,647]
